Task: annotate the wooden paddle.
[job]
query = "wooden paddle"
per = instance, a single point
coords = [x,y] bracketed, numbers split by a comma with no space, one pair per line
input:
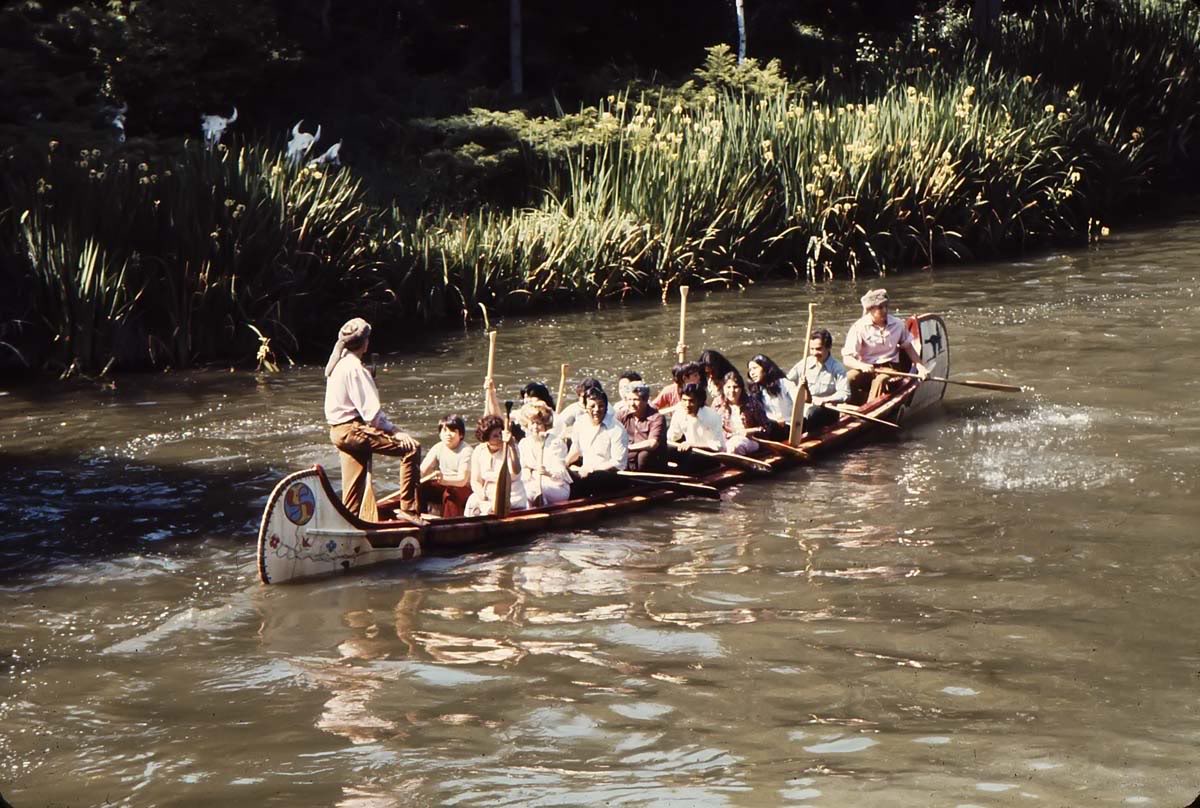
[863,416]
[1003,388]
[562,387]
[797,424]
[782,448]
[681,356]
[502,502]
[731,459]
[679,482]
[654,475]
[368,511]
[491,406]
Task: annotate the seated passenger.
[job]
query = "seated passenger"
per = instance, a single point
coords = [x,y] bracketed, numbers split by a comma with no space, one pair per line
[624,382]
[769,386]
[876,340]
[494,449]
[742,416]
[446,470]
[543,458]
[826,382]
[695,424]
[684,373]
[564,422]
[715,367]
[647,430]
[534,392]
[600,446]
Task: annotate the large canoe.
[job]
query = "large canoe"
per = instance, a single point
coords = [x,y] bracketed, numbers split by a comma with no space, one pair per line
[306,532]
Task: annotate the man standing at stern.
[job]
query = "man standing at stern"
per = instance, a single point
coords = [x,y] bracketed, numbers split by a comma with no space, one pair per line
[876,340]
[357,425]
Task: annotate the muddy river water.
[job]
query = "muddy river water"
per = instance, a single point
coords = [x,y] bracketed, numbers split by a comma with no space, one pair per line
[998,606]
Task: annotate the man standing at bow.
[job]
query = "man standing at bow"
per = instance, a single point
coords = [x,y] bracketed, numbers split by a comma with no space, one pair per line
[357,425]
[876,340]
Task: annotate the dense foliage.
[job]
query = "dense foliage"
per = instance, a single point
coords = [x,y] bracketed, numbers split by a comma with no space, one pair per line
[866,152]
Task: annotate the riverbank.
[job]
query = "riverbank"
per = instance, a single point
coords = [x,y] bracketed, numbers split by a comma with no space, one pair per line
[919,153]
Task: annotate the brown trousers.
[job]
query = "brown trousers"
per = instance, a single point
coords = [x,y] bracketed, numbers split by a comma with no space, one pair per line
[453,499]
[866,386]
[356,442]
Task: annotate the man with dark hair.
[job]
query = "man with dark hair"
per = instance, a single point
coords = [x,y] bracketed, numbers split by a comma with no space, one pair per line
[646,428]
[564,422]
[825,379]
[600,447]
[357,425]
[684,373]
[695,425]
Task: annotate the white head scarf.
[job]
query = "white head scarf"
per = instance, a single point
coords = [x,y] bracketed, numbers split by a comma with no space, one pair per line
[355,330]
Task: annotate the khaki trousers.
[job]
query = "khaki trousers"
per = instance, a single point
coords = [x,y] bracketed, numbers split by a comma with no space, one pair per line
[876,383]
[356,442]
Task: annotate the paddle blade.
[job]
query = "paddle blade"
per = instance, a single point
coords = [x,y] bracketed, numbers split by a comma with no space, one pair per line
[503,502]
[1002,388]
[369,510]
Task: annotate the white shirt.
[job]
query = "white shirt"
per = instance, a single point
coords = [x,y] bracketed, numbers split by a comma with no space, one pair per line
[350,394]
[550,454]
[703,429]
[779,408]
[452,463]
[603,446]
[564,422]
[485,468]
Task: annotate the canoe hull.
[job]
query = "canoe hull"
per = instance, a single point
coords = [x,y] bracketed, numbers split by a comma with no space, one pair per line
[306,532]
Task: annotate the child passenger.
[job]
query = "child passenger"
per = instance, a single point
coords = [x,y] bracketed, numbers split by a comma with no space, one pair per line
[446,470]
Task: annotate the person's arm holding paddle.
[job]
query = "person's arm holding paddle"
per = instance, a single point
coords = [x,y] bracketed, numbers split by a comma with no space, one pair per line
[913,349]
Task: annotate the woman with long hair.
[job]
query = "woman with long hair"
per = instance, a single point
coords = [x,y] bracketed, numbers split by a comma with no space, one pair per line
[741,415]
[769,385]
[715,366]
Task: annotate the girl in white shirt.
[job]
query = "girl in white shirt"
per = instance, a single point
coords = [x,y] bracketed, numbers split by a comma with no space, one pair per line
[495,448]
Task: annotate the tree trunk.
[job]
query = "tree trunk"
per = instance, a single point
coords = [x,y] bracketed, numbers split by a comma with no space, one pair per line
[984,16]
[514,47]
[741,26]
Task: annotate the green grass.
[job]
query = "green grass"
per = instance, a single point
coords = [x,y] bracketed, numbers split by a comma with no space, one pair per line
[925,153]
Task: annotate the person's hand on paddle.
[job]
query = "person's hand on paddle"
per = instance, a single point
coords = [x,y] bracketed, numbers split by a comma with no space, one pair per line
[681,350]
[505,436]
[922,371]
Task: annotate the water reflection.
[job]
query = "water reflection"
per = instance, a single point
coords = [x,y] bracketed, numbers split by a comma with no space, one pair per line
[937,613]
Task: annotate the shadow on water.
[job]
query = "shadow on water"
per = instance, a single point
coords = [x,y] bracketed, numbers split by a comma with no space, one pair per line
[59,508]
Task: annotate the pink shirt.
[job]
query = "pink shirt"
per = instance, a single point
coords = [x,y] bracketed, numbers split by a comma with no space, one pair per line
[875,345]
[667,397]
